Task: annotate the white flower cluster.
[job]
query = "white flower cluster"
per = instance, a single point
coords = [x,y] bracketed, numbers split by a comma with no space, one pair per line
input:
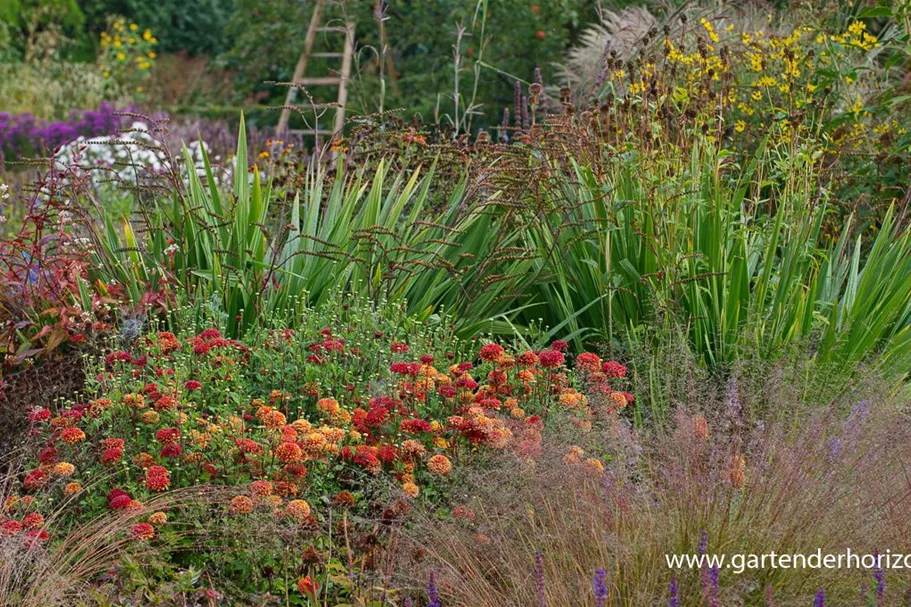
[4,195]
[128,159]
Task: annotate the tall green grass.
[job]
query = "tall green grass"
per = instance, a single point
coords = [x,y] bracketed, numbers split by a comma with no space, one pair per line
[623,250]
[372,231]
[730,256]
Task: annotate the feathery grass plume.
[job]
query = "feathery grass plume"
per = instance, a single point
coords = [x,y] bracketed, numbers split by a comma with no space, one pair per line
[37,572]
[661,489]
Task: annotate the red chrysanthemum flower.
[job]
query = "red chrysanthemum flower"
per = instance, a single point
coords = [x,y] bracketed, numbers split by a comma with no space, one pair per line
[588,362]
[551,359]
[142,531]
[400,368]
[492,352]
[192,385]
[248,445]
[171,450]
[47,456]
[157,478]
[111,456]
[120,502]
[39,415]
[399,347]
[295,470]
[9,528]
[114,493]
[34,479]
[613,369]
[112,443]
[559,345]
[33,520]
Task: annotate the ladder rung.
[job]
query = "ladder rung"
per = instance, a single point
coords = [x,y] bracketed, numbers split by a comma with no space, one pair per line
[324,81]
[312,132]
[327,54]
[332,28]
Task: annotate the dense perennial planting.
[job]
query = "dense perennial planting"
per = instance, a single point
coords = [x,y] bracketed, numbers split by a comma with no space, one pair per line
[297,421]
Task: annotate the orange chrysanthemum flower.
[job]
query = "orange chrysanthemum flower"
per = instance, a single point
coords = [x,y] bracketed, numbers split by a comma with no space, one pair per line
[71,436]
[158,518]
[299,510]
[288,453]
[261,488]
[64,469]
[241,505]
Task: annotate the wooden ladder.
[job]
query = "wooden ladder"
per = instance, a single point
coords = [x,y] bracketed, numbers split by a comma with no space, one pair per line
[298,80]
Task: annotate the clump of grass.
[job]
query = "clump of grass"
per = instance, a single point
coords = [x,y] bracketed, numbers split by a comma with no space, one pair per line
[800,479]
[57,563]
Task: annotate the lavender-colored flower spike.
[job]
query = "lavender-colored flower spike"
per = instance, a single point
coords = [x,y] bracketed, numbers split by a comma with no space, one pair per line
[600,587]
[820,600]
[433,598]
[408,602]
[539,579]
[675,599]
[879,574]
[769,602]
[703,542]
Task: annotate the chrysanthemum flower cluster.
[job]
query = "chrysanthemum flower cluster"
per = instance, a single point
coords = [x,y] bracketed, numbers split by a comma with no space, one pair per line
[176,412]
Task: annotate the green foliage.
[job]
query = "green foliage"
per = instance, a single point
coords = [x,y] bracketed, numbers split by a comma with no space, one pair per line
[196,30]
[701,254]
[371,232]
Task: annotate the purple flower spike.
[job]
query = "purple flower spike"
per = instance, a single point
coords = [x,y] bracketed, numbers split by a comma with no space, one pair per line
[820,600]
[703,542]
[539,579]
[879,574]
[675,599]
[600,587]
[433,598]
